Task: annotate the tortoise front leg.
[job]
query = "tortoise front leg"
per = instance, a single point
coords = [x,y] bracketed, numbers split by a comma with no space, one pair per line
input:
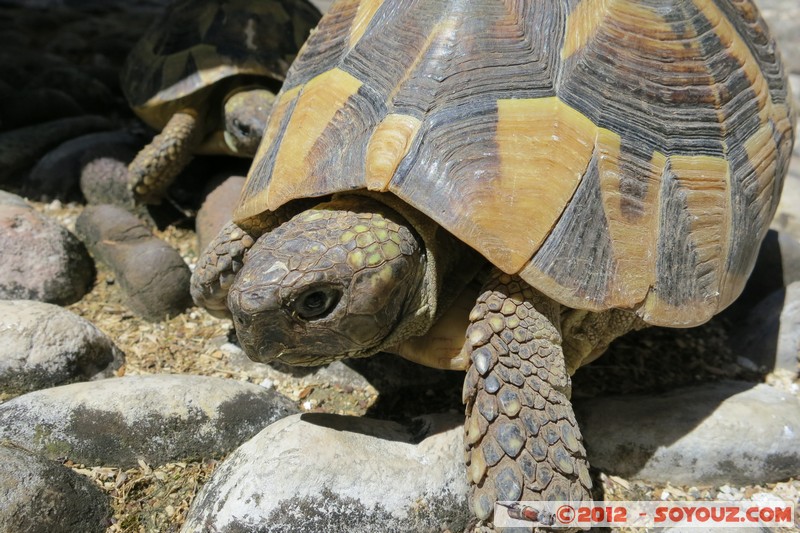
[224,256]
[522,440]
[155,167]
[217,267]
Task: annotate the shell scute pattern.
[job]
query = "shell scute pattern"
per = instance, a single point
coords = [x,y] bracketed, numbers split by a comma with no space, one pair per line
[198,43]
[613,153]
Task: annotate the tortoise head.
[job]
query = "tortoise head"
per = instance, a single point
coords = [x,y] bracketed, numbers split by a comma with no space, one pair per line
[334,281]
[245,113]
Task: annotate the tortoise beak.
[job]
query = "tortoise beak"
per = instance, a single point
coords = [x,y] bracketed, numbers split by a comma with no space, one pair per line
[259,321]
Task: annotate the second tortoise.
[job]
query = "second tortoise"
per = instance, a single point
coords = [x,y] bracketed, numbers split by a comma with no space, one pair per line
[205,74]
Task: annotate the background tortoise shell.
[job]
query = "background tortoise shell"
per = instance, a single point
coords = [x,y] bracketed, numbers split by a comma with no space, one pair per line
[615,153]
[197,43]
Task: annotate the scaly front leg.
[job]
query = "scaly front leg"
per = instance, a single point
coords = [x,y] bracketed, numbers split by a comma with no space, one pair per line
[522,440]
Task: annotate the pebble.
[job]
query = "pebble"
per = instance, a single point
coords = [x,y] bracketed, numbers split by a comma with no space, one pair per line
[104,176]
[322,473]
[39,258]
[724,432]
[38,495]
[58,173]
[157,419]
[22,147]
[43,345]
[217,209]
[151,273]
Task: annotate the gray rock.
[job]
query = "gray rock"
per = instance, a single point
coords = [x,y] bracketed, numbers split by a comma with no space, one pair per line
[217,209]
[39,258]
[43,345]
[770,335]
[37,496]
[151,273]
[104,177]
[158,418]
[58,173]
[21,148]
[725,432]
[323,473]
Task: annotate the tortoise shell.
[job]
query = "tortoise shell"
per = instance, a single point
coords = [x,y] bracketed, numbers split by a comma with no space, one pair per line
[614,153]
[197,43]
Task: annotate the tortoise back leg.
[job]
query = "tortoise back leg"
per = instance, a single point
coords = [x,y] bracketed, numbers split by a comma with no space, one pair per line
[522,440]
[155,167]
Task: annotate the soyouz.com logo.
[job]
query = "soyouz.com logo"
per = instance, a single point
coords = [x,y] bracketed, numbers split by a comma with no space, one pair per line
[709,514]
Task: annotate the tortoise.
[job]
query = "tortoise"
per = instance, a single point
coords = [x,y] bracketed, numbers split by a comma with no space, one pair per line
[205,73]
[593,166]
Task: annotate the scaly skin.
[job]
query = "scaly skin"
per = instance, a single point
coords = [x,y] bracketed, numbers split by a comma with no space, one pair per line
[157,165]
[522,440]
[217,267]
[224,257]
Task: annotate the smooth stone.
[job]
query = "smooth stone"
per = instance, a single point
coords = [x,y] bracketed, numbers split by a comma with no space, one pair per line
[156,418]
[217,209]
[22,147]
[320,472]
[40,259]
[104,177]
[42,496]
[151,273]
[43,345]
[769,335]
[57,175]
[724,432]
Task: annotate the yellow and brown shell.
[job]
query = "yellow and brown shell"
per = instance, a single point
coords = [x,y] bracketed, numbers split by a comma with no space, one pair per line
[615,153]
[197,43]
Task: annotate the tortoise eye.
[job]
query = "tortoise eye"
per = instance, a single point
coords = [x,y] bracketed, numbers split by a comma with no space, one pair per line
[243,128]
[316,302]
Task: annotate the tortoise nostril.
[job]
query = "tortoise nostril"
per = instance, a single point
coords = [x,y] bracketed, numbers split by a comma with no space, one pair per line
[254,300]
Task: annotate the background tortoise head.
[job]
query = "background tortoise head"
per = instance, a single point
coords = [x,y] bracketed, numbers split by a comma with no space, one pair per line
[245,115]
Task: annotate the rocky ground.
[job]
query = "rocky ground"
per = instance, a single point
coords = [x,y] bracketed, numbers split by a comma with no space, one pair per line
[156,497]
